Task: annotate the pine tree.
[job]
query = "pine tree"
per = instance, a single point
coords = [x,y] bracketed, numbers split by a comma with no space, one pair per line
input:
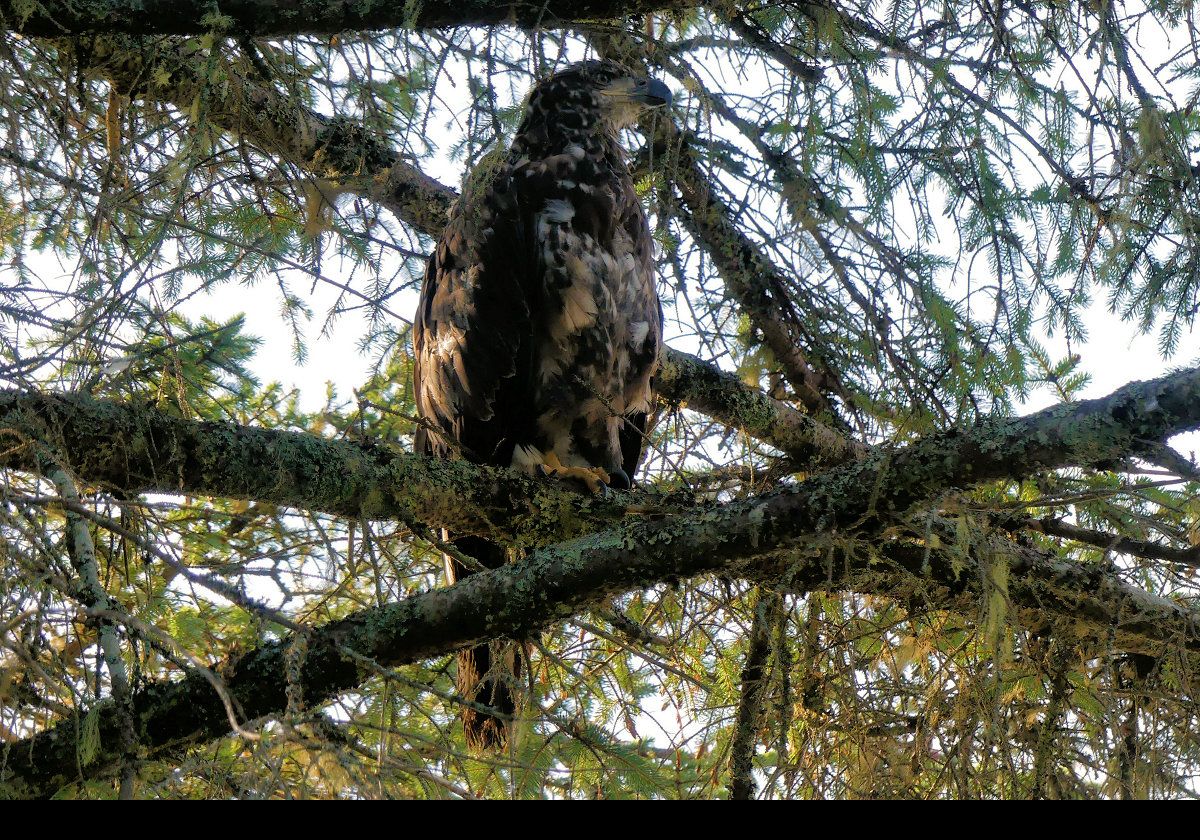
[859,564]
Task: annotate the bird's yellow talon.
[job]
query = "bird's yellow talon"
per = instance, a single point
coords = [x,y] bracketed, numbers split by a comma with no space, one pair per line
[594,477]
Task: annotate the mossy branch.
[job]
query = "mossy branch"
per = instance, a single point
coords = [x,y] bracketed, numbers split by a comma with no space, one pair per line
[276,18]
[770,537]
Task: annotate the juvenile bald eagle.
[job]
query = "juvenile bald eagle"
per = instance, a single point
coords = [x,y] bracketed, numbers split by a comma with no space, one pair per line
[539,329]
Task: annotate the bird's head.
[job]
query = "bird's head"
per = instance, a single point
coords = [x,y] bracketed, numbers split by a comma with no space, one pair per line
[594,95]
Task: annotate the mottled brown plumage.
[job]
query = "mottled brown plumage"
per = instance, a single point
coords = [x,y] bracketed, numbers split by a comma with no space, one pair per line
[538,331]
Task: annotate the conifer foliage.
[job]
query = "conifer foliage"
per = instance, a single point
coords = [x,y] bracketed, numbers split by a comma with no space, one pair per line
[882,545]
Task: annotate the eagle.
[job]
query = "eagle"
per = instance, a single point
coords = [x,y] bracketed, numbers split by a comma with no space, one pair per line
[538,331]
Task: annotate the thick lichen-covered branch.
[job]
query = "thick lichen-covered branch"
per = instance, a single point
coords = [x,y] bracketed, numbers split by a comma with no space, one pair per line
[137,449]
[277,18]
[134,448]
[562,580]
[722,396]
[766,537]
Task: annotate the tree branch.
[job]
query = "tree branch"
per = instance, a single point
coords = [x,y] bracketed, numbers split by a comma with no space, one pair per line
[741,762]
[138,449]
[722,396]
[751,277]
[765,537]
[1109,542]
[557,582]
[341,151]
[280,18]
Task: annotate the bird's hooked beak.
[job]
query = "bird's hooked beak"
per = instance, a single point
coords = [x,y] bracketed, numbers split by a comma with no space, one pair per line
[625,98]
[644,92]
[651,92]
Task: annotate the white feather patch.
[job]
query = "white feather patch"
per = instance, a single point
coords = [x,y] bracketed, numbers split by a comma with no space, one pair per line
[527,458]
[638,331]
[558,211]
[579,308]
[579,270]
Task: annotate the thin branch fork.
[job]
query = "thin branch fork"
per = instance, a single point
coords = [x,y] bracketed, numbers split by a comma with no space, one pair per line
[1101,539]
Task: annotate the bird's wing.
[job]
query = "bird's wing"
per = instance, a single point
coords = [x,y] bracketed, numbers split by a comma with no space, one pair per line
[645,307]
[472,339]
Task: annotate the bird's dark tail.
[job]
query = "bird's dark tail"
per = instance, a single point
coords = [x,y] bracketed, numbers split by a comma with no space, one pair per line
[488,673]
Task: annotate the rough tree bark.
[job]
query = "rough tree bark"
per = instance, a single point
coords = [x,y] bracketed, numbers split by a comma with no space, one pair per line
[782,537]
[267,18]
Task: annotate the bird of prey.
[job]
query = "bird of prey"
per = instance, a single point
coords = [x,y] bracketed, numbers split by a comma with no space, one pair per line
[538,331]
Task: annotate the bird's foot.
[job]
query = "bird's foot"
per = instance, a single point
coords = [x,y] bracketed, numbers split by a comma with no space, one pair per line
[619,480]
[595,478]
